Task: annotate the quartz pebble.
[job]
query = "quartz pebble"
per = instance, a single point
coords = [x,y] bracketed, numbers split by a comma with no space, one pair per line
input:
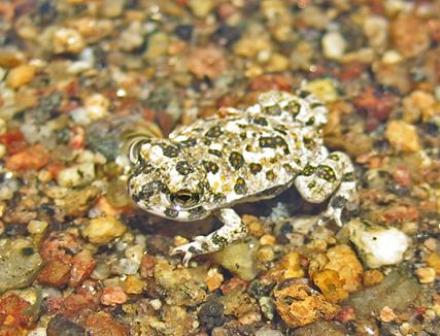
[377,245]
[77,175]
[402,136]
[103,230]
[333,45]
[67,40]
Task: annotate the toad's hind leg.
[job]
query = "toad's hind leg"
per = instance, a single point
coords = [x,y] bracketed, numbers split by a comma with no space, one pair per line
[232,230]
[332,176]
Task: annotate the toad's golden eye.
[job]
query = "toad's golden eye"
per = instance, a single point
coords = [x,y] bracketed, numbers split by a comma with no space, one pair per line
[185,198]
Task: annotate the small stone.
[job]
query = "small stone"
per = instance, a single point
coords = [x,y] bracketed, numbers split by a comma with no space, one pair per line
[324,89]
[103,230]
[402,136]
[32,158]
[207,62]
[287,268]
[66,40]
[433,260]
[239,258]
[419,105]
[83,264]
[102,323]
[112,296]
[426,274]
[277,63]
[78,175]
[37,227]
[254,225]
[19,263]
[214,279]
[409,35]
[343,260]
[267,239]
[334,45]
[298,305]
[60,326]
[54,273]
[211,314]
[391,57]
[20,76]
[266,254]
[376,29]
[201,8]
[113,8]
[330,284]
[387,314]
[372,277]
[157,46]
[377,245]
[133,285]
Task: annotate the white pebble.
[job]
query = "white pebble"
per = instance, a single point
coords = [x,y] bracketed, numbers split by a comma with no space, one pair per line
[377,245]
[78,175]
[334,45]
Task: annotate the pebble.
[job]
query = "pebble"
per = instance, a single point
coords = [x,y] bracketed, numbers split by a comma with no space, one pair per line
[409,35]
[402,136]
[378,245]
[344,260]
[103,230]
[214,279]
[239,258]
[376,29]
[330,284]
[37,226]
[201,8]
[387,314]
[426,275]
[419,105]
[298,305]
[19,263]
[113,296]
[324,89]
[133,285]
[20,76]
[78,175]
[433,260]
[113,8]
[157,46]
[333,45]
[96,107]
[67,40]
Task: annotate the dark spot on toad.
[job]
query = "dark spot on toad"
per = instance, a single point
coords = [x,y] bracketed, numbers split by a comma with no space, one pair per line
[170,151]
[211,167]
[171,213]
[255,168]
[326,172]
[240,186]
[214,132]
[236,160]
[270,175]
[260,121]
[272,110]
[215,152]
[184,168]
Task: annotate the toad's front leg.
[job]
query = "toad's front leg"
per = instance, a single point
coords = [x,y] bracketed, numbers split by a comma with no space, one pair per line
[333,176]
[232,230]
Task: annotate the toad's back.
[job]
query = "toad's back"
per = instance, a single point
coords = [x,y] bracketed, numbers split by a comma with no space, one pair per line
[249,156]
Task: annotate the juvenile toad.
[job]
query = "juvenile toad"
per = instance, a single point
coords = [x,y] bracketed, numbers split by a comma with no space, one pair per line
[248,155]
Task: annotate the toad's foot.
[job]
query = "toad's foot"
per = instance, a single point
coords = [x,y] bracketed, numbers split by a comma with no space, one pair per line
[232,230]
[333,176]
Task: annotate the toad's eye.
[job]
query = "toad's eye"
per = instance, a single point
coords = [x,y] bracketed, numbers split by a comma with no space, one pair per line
[185,198]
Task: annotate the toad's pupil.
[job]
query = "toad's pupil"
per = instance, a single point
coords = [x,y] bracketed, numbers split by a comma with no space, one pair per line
[184,197]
